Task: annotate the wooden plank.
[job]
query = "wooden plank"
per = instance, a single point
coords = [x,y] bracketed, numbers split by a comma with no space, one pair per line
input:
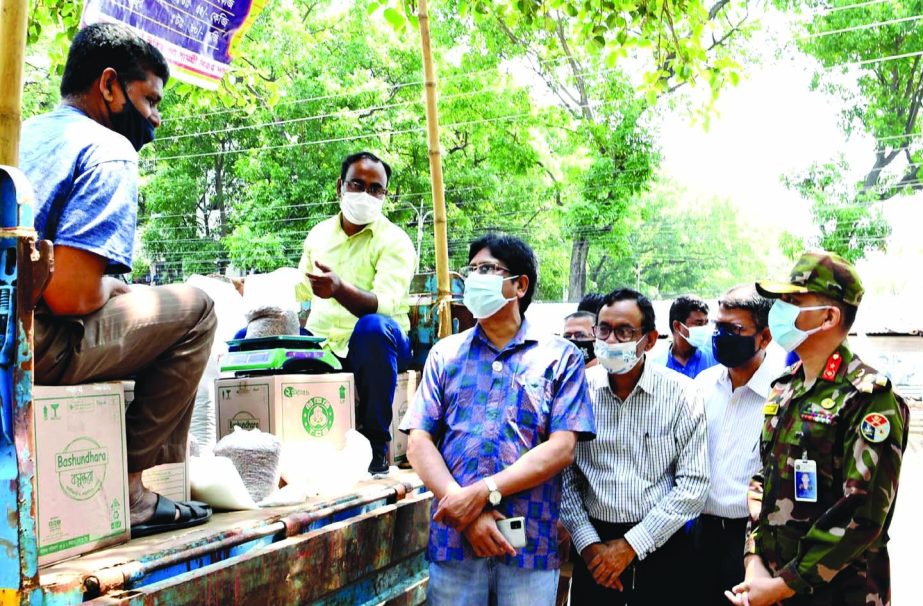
[412,596]
[317,567]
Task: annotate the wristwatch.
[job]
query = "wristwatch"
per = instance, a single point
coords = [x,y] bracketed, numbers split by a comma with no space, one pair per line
[493,496]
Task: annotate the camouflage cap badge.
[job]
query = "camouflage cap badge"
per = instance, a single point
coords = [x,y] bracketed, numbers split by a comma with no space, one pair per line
[821,273]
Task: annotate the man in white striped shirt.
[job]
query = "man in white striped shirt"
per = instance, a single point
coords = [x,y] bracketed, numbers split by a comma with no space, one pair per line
[630,492]
[734,394]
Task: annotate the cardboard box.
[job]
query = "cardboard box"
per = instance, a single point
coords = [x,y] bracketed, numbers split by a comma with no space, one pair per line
[403,396]
[170,479]
[80,469]
[296,408]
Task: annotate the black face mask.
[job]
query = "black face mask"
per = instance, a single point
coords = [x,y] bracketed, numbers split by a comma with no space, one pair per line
[733,350]
[130,123]
[586,347]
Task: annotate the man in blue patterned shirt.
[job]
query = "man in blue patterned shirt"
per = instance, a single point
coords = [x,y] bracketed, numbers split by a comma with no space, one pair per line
[497,416]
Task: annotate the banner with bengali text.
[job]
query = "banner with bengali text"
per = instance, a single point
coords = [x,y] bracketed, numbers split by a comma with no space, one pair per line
[196,36]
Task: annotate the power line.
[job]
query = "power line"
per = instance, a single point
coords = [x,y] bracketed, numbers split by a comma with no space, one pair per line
[846,7]
[863,26]
[343,112]
[372,88]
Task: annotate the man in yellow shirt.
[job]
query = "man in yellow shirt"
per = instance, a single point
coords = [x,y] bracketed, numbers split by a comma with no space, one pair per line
[357,269]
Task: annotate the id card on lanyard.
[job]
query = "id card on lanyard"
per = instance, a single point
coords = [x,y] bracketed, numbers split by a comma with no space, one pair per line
[805,480]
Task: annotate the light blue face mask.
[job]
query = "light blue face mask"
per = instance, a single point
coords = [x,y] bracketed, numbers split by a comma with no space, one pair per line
[699,336]
[484,294]
[617,358]
[782,318]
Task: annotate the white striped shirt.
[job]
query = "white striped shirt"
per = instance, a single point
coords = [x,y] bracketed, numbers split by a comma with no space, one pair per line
[735,420]
[648,465]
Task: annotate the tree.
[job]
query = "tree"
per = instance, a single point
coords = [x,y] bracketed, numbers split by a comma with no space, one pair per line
[871,57]
[678,244]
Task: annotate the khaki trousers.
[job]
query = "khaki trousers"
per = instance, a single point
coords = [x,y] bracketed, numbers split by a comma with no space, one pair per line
[161,336]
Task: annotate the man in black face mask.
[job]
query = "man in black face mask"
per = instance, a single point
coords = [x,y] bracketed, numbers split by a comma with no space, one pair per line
[734,392]
[578,329]
[82,160]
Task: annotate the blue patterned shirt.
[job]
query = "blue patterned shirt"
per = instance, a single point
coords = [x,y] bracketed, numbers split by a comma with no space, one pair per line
[485,409]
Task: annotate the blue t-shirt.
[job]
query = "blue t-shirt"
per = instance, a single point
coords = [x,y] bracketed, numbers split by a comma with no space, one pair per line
[85,178]
[701,358]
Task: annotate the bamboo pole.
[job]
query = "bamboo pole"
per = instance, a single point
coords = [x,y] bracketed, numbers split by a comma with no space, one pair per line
[444,296]
[13,23]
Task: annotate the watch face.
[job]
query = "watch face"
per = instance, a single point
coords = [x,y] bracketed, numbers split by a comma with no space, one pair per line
[494,498]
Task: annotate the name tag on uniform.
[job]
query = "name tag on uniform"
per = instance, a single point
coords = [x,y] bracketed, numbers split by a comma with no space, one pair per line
[770,409]
[805,480]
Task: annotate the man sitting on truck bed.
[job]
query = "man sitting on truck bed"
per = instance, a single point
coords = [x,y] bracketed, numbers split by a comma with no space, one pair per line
[82,159]
[357,268]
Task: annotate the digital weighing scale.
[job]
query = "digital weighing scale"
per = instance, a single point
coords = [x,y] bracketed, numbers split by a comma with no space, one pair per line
[285,354]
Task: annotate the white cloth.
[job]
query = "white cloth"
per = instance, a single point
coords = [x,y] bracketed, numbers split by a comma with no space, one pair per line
[648,464]
[735,420]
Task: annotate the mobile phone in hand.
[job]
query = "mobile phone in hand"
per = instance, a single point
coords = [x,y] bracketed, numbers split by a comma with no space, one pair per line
[514,531]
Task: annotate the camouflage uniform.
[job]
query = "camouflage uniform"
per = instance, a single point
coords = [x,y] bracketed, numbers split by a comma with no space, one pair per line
[855,428]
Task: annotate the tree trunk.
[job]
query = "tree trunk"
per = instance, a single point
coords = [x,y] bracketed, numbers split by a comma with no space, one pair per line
[577,280]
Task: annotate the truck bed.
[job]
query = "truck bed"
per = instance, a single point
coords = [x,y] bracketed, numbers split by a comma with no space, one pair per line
[364,546]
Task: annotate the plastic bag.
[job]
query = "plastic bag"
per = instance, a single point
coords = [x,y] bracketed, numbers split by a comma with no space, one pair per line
[255,454]
[310,464]
[215,481]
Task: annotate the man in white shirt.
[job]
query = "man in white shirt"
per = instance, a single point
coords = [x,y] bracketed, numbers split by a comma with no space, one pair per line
[627,497]
[734,394]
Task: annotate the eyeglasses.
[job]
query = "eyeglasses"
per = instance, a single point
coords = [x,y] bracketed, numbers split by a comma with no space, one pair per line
[623,334]
[483,269]
[730,328]
[356,186]
[578,335]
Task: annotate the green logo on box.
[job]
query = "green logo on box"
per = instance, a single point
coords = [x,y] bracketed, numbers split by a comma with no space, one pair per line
[288,392]
[317,416]
[81,468]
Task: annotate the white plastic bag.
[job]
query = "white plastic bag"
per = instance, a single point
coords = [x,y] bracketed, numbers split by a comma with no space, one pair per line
[214,480]
[322,466]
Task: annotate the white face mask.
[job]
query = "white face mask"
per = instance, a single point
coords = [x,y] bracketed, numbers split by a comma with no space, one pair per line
[617,358]
[360,208]
[699,336]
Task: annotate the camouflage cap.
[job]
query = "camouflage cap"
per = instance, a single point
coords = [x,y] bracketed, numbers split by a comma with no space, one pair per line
[821,273]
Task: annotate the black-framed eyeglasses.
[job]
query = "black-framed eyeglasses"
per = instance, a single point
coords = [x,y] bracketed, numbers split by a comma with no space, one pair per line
[623,334]
[730,328]
[356,186]
[484,269]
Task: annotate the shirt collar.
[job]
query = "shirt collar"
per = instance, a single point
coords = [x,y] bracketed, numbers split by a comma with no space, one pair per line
[761,381]
[527,333]
[372,227]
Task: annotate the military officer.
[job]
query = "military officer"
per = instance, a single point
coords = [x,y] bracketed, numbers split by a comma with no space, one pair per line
[832,443]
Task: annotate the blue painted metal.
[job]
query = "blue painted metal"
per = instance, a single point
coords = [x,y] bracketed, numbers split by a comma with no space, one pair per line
[424,328]
[18,548]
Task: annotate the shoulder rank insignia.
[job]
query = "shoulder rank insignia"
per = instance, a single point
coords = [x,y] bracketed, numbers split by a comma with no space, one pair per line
[833,365]
[875,427]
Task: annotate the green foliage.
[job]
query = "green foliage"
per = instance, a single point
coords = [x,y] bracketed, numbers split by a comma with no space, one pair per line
[849,223]
[679,41]
[237,177]
[870,56]
[678,244]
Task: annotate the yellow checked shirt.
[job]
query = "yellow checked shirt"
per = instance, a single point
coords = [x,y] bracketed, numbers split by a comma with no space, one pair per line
[379,259]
